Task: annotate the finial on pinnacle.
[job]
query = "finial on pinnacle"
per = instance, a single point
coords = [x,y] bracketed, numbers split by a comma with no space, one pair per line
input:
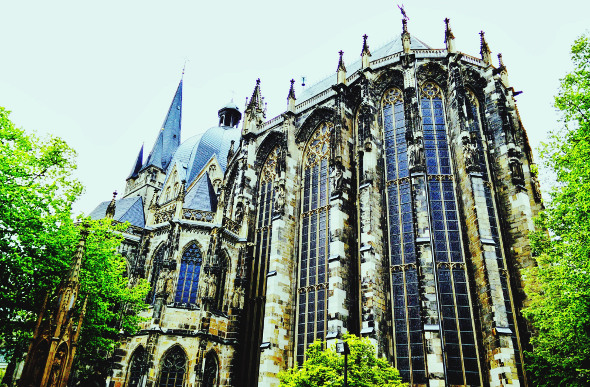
[341,69]
[114,194]
[485,50]
[292,90]
[258,81]
[500,60]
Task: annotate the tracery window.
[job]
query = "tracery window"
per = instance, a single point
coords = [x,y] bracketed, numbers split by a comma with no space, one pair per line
[138,367]
[313,277]
[173,368]
[462,366]
[210,372]
[188,275]
[409,351]
[157,263]
[476,132]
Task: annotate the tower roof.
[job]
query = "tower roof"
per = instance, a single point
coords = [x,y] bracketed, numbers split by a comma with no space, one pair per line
[169,136]
[138,164]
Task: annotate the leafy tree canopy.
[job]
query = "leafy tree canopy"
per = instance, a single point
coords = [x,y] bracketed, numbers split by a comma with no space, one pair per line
[325,367]
[559,287]
[37,242]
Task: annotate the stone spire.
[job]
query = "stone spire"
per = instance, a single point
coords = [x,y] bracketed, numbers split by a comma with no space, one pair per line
[365,53]
[449,37]
[138,164]
[168,138]
[291,98]
[406,41]
[341,71]
[255,112]
[503,71]
[110,212]
[486,54]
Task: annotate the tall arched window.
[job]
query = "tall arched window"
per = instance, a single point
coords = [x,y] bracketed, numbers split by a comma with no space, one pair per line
[173,368]
[462,366]
[313,269]
[157,263]
[477,134]
[210,373]
[188,275]
[407,326]
[138,367]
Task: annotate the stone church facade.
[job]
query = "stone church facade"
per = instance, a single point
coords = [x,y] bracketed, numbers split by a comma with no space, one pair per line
[392,200]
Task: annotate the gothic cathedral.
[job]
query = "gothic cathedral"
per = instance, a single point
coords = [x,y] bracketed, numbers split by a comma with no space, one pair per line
[392,200]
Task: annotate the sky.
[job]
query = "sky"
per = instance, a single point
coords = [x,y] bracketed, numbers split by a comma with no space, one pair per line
[102,75]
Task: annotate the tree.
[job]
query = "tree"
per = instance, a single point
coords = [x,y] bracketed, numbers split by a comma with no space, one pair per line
[559,287]
[325,367]
[37,242]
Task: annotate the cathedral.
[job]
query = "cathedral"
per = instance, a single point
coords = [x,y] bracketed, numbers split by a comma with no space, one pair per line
[392,200]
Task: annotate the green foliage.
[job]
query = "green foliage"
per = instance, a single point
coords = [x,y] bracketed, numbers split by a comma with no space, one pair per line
[37,243]
[559,287]
[326,367]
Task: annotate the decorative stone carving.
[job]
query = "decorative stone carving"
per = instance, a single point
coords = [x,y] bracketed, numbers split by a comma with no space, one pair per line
[416,154]
[336,177]
[470,154]
[279,202]
[239,213]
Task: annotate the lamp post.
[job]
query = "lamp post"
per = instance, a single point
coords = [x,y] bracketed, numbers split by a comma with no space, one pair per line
[342,347]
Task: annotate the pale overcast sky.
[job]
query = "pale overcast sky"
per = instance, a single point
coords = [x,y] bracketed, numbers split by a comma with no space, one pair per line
[102,75]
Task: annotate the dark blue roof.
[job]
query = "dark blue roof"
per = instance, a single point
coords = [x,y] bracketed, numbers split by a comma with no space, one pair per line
[126,210]
[390,48]
[202,195]
[169,137]
[138,164]
[215,141]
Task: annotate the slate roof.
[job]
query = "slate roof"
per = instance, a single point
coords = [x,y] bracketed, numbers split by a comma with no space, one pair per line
[168,138]
[126,210]
[202,195]
[390,48]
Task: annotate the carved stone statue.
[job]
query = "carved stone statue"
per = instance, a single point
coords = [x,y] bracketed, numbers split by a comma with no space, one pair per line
[279,203]
[211,286]
[161,284]
[241,297]
[470,153]
[516,169]
[169,283]
[235,302]
[416,154]
[239,213]
[336,179]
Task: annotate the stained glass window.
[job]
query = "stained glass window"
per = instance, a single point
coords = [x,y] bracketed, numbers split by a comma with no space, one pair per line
[173,368]
[138,367]
[313,267]
[157,262]
[457,322]
[188,275]
[409,349]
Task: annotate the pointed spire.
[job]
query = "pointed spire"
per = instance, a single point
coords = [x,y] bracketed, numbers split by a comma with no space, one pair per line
[74,274]
[110,212]
[449,37]
[138,164]
[365,53]
[256,100]
[341,71]
[503,71]
[291,97]
[168,138]
[255,112]
[406,42]
[486,54]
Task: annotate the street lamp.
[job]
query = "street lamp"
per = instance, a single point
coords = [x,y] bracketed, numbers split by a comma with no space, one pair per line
[342,347]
